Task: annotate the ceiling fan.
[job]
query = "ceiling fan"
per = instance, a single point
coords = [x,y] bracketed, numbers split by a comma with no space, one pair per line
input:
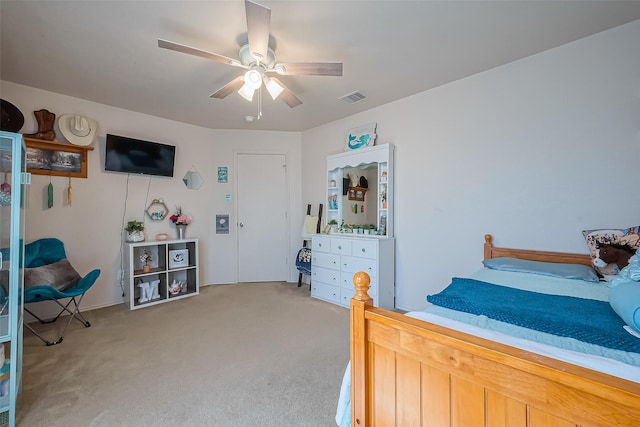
[260,61]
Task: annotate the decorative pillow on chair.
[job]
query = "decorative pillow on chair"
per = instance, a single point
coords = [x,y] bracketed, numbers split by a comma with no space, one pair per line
[59,275]
[623,237]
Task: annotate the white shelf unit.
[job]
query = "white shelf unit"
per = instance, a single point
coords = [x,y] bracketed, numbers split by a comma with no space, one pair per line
[377,156]
[161,268]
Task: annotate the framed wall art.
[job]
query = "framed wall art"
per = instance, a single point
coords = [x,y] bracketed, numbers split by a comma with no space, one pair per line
[55,158]
[178,258]
[361,136]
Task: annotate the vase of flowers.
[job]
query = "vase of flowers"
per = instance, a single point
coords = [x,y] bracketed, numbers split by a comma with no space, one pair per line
[181,220]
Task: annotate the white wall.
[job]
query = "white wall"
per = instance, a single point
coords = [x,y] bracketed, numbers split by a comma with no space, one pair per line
[91,227]
[532,152]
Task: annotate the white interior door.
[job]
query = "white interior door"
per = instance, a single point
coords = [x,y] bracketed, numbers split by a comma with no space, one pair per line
[262,218]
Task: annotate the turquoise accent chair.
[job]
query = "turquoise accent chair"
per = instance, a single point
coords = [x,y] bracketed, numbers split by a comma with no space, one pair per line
[44,252]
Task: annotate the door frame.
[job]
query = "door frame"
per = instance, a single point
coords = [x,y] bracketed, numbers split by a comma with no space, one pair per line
[287,178]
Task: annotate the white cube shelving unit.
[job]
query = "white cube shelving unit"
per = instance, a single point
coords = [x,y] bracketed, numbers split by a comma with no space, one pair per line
[170,260]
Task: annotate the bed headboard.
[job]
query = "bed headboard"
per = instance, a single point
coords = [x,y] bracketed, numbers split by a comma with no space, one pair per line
[491,251]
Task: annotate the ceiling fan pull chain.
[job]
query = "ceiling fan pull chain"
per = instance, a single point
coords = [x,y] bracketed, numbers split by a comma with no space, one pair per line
[259,102]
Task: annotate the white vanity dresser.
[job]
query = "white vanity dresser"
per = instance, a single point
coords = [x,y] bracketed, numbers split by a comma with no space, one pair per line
[337,256]
[335,259]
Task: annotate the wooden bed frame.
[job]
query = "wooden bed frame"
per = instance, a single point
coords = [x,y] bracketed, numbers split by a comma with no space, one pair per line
[408,372]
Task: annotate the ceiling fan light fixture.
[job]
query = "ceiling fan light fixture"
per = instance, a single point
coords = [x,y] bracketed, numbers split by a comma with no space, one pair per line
[280,69]
[273,87]
[253,79]
[246,92]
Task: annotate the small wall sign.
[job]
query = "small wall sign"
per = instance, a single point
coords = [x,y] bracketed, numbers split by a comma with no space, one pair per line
[222,224]
[223,174]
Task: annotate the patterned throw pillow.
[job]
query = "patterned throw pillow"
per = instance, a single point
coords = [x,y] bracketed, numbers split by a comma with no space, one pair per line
[620,236]
[60,275]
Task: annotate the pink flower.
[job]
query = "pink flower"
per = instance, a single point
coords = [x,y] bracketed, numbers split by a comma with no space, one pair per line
[179,218]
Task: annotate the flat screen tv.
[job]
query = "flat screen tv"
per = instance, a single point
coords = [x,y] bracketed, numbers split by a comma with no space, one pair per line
[131,155]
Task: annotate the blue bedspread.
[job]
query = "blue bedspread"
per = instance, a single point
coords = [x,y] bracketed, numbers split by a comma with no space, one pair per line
[586,320]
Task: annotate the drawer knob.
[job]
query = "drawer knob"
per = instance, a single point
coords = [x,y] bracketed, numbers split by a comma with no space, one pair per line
[320,245]
[339,247]
[364,250]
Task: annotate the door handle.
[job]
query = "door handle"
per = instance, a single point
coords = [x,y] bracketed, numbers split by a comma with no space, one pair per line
[241,224]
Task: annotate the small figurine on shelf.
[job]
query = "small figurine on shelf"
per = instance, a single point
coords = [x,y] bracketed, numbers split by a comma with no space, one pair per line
[175,288]
[145,257]
[383,199]
[333,201]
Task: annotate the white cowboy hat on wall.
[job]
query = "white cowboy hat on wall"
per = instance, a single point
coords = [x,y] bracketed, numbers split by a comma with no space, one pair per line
[78,129]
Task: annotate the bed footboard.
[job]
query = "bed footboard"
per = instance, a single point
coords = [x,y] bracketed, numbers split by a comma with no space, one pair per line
[407,372]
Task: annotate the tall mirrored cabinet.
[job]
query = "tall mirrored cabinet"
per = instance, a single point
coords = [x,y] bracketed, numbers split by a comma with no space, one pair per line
[360,216]
[12,193]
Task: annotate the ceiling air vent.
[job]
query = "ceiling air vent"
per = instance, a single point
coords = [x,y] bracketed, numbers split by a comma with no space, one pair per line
[353,97]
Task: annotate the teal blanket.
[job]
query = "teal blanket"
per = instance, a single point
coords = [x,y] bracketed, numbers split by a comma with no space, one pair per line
[586,320]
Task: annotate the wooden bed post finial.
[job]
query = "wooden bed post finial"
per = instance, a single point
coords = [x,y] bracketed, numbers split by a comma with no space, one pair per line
[361,282]
[488,246]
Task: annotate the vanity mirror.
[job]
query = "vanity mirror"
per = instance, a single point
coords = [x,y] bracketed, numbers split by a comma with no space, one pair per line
[360,190]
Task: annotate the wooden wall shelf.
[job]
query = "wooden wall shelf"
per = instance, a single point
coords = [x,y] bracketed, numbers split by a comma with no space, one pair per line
[357,193]
[56,158]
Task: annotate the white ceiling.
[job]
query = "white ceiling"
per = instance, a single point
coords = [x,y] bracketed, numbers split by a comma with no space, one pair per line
[107,52]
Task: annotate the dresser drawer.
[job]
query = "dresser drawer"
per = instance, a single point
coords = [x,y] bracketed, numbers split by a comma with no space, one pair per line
[325,275]
[354,264]
[364,248]
[346,282]
[346,295]
[321,243]
[341,246]
[325,292]
[325,260]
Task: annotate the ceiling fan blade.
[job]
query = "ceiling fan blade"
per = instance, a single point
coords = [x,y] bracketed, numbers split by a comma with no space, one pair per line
[287,96]
[229,88]
[258,27]
[166,44]
[309,69]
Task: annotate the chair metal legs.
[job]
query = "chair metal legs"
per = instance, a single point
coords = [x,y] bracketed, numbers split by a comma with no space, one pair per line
[75,314]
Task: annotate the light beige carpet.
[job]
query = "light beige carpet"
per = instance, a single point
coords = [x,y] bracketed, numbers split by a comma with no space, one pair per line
[260,354]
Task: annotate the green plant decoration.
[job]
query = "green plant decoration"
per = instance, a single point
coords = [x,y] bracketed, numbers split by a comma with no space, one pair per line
[134,226]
